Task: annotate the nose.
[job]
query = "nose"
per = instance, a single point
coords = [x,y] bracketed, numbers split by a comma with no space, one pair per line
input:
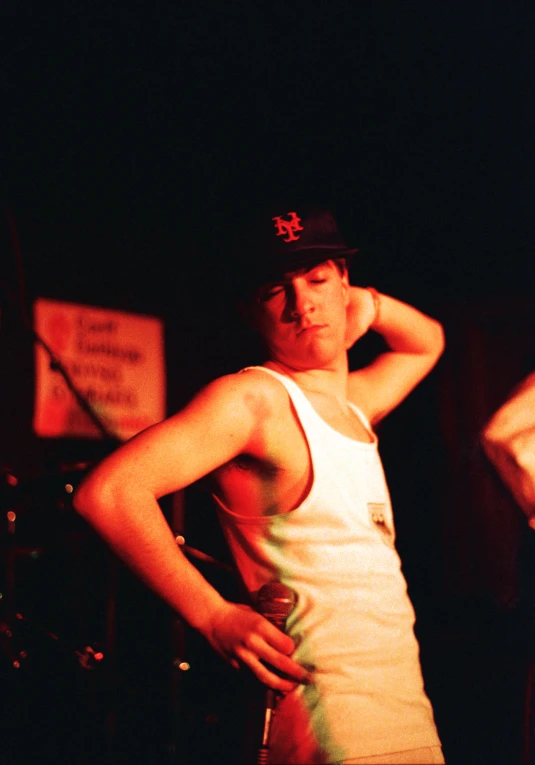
[302,301]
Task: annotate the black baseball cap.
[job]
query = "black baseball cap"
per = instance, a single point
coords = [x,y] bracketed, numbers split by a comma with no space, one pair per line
[280,240]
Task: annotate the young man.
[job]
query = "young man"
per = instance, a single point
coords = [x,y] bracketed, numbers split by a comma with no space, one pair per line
[302,499]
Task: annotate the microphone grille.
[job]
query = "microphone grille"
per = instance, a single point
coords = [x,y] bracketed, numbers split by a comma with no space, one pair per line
[276,601]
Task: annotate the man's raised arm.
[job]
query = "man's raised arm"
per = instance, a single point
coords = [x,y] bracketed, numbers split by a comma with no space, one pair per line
[415,342]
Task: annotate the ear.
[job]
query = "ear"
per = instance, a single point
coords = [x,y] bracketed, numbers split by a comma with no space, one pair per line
[345,286]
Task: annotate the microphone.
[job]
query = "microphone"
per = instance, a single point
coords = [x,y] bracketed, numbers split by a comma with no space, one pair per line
[275,602]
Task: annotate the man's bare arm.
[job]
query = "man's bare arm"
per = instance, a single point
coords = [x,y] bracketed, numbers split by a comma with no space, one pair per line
[119,499]
[415,342]
[508,440]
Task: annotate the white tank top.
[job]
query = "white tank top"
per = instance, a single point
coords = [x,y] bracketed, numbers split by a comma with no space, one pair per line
[353,622]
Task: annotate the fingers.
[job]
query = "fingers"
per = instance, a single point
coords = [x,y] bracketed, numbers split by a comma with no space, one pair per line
[269,659]
[292,675]
[245,638]
[276,639]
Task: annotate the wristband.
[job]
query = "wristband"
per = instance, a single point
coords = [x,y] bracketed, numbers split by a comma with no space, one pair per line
[376,303]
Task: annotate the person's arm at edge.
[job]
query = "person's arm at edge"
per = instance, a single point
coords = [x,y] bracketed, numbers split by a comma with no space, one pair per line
[508,440]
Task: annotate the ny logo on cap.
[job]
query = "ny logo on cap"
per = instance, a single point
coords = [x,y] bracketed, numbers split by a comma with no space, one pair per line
[288,227]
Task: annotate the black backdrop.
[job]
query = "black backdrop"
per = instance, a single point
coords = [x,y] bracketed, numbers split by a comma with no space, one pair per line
[134,139]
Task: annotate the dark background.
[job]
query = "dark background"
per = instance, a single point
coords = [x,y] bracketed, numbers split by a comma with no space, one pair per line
[134,139]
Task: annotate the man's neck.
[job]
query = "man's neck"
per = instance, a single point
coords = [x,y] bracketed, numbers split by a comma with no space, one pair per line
[330,381]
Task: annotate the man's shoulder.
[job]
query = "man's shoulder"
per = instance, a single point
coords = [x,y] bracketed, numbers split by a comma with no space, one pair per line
[254,402]
[248,376]
[251,386]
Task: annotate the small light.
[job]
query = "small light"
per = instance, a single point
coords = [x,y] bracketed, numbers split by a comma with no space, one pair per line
[180,540]
[98,656]
[11,516]
[184,666]
[69,488]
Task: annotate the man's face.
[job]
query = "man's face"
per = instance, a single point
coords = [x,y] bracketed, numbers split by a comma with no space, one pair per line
[302,317]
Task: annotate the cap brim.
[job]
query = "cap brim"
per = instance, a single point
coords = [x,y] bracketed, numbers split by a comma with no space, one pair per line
[301,259]
[246,282]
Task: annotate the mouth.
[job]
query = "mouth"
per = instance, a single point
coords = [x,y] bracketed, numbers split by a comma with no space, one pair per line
[310,328]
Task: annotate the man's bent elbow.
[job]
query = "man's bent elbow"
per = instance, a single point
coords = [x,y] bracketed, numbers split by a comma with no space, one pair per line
[495,435]
[435,343]
[92,497]
[493,446]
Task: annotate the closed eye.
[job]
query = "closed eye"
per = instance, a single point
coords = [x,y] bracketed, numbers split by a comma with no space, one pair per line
[271,292]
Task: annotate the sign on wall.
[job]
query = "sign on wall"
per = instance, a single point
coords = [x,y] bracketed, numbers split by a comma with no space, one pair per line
[114,359]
